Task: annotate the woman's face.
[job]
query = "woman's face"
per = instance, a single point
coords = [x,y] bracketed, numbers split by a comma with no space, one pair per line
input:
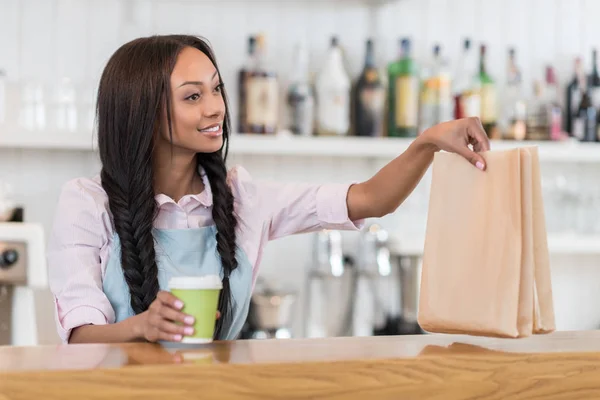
[197,105]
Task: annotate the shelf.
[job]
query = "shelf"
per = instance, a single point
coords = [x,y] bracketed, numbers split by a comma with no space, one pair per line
[288,145]
[391,147]
[49,141]
[571,244]
[318,146]
[563,244]
[373,3]
[369,3]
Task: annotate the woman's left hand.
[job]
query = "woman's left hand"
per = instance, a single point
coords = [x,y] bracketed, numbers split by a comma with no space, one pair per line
[456,136]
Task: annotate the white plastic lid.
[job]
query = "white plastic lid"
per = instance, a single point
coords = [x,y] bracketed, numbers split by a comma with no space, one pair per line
[196,282]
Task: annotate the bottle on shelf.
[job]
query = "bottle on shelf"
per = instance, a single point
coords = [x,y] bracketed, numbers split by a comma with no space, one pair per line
[574,95]
[488,97]
[594,89]
[333,95]
[428,96]
[585,123]
[369,98]
[544,121]
[436,101]
[244,77]
[554,109]
[87,106]
[467,99]
[538,123]
[262,94]
[32,112]
[514,117]
[63,107]
[445,100]
[403,94]
[300,97]
[594,81]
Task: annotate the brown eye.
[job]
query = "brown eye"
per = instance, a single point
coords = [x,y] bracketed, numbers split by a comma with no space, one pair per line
[219,88]
[193,97]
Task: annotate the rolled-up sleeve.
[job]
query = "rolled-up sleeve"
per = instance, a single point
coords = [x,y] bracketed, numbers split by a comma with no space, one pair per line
[73,258]
[290,208]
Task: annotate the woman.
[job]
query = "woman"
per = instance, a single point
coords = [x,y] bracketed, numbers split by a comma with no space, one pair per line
[164,203]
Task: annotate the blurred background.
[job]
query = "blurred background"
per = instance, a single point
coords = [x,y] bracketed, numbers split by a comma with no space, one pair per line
[330,91]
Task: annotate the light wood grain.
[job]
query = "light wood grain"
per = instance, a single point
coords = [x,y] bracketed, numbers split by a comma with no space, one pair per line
[563,365]
[490,376]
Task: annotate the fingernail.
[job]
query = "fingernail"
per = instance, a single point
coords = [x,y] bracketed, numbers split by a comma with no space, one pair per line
[479,165]
[179,304]
[188,331]
[177,338]
[189,320]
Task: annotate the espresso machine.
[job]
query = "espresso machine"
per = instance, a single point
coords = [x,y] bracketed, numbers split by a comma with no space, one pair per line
[387,287]
[26,303]
[330,288]
[269,314]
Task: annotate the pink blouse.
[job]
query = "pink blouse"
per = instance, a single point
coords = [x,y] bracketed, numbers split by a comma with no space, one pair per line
[81,238]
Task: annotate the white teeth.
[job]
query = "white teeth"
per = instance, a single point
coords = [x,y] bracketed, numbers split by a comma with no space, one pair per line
[213,129]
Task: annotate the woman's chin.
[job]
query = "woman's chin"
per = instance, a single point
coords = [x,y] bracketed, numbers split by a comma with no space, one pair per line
[210,146]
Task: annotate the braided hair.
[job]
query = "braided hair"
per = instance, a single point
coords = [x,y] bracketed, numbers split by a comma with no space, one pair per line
[134,88]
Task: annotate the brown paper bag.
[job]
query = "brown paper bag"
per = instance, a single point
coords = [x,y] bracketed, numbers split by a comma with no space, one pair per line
[486,267]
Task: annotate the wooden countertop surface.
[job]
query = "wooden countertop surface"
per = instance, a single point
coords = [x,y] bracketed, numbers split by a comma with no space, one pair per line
[562,365]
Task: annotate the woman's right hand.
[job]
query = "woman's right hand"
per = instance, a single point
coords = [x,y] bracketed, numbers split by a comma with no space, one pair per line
[158,322]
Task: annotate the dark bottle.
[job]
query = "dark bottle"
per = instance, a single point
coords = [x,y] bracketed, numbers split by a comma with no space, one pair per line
[369,98]
[585,123]
[594,82]
[574,95]
[262,96]
[243,79]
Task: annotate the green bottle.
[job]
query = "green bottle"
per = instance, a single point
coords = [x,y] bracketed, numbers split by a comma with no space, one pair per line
[489,111]
[403,95]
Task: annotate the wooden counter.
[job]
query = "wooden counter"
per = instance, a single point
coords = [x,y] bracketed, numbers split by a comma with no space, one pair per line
[562,365]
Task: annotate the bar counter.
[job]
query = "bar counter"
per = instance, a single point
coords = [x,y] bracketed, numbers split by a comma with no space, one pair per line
[561,365]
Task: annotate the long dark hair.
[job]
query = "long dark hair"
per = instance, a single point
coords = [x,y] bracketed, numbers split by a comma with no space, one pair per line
[134,89]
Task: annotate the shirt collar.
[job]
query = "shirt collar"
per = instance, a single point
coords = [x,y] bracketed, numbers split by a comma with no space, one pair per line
[204,198]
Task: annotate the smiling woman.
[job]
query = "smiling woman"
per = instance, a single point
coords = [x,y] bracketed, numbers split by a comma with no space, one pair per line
[164,205]
[162,125]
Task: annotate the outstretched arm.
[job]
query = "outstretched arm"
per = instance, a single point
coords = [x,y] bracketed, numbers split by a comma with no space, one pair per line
[386,190]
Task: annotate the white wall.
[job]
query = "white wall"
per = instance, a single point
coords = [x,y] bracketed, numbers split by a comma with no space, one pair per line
[45,40]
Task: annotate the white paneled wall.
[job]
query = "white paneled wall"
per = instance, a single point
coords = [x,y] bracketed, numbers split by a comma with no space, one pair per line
[46,40]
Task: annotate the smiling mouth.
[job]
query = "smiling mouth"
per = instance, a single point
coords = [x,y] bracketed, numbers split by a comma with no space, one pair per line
[212,128]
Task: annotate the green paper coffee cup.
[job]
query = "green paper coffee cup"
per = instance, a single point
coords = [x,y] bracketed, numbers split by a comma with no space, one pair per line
[200,297]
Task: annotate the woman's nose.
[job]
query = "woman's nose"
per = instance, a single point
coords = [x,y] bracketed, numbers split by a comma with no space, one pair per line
[214,107]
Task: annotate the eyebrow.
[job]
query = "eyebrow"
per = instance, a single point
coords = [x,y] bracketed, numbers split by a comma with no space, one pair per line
[197,82]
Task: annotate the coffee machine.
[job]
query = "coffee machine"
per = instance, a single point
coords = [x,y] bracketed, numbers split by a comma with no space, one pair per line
[270,313]
[387,287]
[26,303]
[330,288]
